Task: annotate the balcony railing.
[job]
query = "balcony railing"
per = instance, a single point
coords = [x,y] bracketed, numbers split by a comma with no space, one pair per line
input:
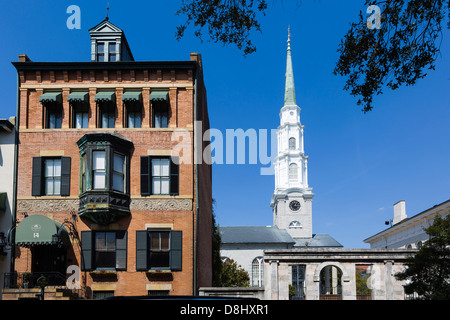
[15,280]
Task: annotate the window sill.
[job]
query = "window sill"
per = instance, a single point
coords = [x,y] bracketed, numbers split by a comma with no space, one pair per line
[104,272]
[159,271]
[104,275]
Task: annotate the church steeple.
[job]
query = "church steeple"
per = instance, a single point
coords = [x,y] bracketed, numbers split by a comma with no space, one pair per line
[289,89]
[292,197]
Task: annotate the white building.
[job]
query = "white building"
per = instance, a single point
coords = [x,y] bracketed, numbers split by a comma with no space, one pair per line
[407,232]
[7,165]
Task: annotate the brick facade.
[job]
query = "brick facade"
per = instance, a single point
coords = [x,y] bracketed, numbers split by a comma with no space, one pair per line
[190,211]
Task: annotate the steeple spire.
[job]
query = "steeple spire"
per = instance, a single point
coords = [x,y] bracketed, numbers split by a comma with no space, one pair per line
[289,89]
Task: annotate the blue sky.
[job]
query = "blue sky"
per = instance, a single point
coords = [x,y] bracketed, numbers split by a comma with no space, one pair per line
[359,164]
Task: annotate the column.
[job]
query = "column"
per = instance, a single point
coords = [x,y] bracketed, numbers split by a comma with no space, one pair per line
[93,110]
[23,112]
[66,115]
[173,120]
[146,108]
[120,109]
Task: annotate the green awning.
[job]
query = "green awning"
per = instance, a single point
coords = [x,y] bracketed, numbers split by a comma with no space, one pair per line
[159,96]
[132,96]
[105,96]
[78,96]
[51,96]
[39,230]
[2,201]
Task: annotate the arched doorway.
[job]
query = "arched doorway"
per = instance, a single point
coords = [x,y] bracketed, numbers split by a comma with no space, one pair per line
[330,283]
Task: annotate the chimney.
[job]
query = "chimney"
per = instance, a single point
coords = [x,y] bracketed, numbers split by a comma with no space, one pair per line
[399,212]
[24,58]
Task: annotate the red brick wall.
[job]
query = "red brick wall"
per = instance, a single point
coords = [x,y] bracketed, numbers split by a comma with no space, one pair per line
[34,140]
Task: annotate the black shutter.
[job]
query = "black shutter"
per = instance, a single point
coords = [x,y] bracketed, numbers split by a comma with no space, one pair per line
[176,244]
[65,176]
[37,183]
[86,250]
[145,176]
[141,250]
[174,176]
[121,250]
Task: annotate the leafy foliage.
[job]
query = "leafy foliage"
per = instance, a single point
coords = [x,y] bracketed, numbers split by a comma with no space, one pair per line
[216,259]
[428,272]
[227,21]
[398,53]
[233,275]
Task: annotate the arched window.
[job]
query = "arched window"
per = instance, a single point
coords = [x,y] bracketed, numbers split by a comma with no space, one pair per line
[293,172]
[292,144]
[295,224]
[258,272]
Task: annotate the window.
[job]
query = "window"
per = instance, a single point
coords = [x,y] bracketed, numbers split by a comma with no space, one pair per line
[298,286]
[155,293]
[112,51]
[258,272]
[80,115]
[100,52]
[83,172]
[159,175]
[160,114]
[104,176]
[53,117]
[100,295]
[134,115]
[118,172]
[107,116]
[52,177]
[159,249]
[293,172]
[292,144]
[295,224]
[105,250]
[98,170]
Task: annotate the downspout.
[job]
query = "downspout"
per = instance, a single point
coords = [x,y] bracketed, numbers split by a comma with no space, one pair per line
[196,182]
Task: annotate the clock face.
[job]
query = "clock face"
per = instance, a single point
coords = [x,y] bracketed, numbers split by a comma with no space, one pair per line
[294,205]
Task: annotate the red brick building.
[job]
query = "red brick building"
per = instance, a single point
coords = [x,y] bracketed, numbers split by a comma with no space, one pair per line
[99,187]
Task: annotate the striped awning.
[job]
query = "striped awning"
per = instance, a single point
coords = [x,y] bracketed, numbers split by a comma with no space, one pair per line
[78,96]
[159,95]
[52,96]
[40,230]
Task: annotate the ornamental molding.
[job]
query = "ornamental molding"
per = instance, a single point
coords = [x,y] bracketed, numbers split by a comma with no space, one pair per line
[161,204]
[52,205]
[41,205]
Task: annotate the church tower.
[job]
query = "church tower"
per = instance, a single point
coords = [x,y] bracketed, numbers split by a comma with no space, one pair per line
[292,198]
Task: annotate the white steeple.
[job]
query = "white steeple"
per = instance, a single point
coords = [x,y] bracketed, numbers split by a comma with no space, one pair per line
[291,201]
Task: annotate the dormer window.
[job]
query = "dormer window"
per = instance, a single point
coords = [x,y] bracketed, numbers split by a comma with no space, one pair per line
[108,43]
[112,52]
[100,52]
